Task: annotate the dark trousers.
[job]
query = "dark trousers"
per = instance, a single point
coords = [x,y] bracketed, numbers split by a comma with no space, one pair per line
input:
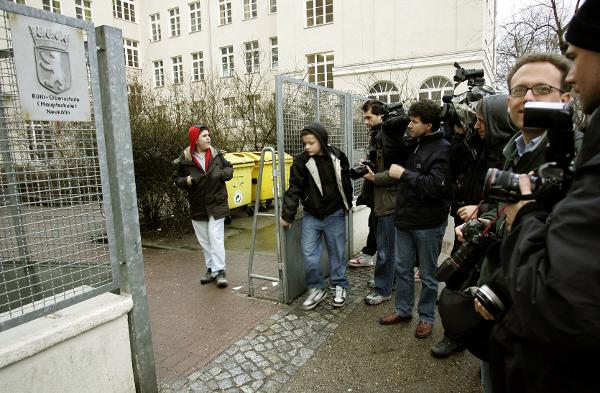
[371,247]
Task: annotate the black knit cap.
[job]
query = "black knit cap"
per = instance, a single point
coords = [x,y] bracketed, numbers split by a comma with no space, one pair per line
[584,28]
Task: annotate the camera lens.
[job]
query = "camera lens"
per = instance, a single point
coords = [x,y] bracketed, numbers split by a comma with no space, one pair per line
[489,300]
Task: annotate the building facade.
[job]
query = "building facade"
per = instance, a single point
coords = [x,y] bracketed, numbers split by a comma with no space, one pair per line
[395,49]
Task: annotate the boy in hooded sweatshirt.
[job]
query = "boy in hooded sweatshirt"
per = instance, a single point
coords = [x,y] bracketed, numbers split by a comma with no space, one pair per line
[202,171]
[320,178]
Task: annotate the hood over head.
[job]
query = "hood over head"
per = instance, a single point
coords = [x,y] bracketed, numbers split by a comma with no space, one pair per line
[319,132]
[498,128]
[194,132]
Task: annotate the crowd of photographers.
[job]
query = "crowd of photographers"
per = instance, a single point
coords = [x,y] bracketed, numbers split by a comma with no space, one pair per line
[522,284]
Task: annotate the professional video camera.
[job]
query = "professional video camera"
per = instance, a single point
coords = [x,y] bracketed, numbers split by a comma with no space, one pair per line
[477,90]
[393,110]
[553,178]
[550,183]
[468,255]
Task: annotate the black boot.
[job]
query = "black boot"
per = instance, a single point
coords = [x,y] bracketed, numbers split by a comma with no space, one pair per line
[207,278]
[445,348]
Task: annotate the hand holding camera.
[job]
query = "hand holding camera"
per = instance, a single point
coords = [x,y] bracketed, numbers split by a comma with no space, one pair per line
[362,169]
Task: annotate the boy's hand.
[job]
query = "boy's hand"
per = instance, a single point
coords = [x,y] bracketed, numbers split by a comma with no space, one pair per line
[284,223]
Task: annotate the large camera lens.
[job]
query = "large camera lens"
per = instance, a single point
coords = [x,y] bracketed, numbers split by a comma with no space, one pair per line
[503,186]
[502,179]
[489,300]
[458,266]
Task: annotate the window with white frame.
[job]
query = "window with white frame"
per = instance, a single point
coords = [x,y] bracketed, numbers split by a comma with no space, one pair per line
[227,61]
[22,2]
[274,53]
[250,9]
[197,67]
[51,5]
[318,12]
[224,12]
[175,22]
[155,33]
[228,110]
[320,69]
[272,6]
[83,9]
[177,70]
[252,56]
[159,73]
[385,91]
[435,88]
[195,18]
[131,53]
[42,142]
[124,9]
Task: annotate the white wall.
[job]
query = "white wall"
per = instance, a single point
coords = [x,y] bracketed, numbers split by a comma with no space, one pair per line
[83,348]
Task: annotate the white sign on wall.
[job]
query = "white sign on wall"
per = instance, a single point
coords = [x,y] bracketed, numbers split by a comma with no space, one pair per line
[51,70]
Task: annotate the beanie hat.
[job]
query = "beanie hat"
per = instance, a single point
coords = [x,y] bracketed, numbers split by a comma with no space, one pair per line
[584,28]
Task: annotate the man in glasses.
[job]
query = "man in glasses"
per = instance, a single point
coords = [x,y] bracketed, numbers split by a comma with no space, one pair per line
[535,77]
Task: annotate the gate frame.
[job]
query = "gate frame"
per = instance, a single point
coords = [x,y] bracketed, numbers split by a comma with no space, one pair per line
[348,124]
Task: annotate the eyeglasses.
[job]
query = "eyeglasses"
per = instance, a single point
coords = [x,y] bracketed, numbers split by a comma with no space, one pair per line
[537,90]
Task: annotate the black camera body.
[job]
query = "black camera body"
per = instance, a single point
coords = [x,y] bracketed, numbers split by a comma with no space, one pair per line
[395,110]
[359,171]
[553,178]
[468,255]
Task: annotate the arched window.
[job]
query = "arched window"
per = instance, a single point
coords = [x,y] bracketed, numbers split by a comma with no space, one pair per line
[435,88]
[386,92]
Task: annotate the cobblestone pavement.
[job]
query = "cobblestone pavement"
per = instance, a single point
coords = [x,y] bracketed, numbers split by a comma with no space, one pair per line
[266,358]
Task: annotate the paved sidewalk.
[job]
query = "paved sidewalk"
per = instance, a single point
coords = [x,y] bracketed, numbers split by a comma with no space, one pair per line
[208,339]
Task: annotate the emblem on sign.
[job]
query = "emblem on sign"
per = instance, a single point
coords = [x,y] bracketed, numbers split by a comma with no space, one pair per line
[237,197]
[52,58]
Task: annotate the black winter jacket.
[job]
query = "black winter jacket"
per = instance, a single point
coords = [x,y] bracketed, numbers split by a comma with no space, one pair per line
[423,198]
[470,165]
[208,194]
[304,184]
[549,339]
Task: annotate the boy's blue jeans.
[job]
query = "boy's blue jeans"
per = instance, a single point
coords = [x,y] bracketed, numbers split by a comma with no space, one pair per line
[427,244]
[333,229]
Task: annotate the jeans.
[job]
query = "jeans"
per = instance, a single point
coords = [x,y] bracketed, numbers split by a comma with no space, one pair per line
[427,244]
[333,229]
[486,379]
[384,266]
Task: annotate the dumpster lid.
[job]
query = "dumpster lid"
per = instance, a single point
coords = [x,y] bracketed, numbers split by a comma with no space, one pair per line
[238,158]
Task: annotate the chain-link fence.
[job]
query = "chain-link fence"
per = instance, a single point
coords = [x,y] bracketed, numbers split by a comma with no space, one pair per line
[53,233]
[300,103]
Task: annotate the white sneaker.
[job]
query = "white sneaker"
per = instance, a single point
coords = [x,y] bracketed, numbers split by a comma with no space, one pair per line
[315,295]
[376,298]
[340,296]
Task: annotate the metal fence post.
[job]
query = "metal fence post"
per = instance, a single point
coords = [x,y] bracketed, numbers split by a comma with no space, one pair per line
[349,123]
[117,135]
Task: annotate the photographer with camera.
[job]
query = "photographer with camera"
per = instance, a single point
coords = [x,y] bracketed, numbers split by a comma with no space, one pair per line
[471,154]
[546,339]
[534,77]
[384,193]
[421,215]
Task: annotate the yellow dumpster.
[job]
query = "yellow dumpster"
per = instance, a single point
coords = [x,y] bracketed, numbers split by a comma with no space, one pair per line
[239,189]
[266,190]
